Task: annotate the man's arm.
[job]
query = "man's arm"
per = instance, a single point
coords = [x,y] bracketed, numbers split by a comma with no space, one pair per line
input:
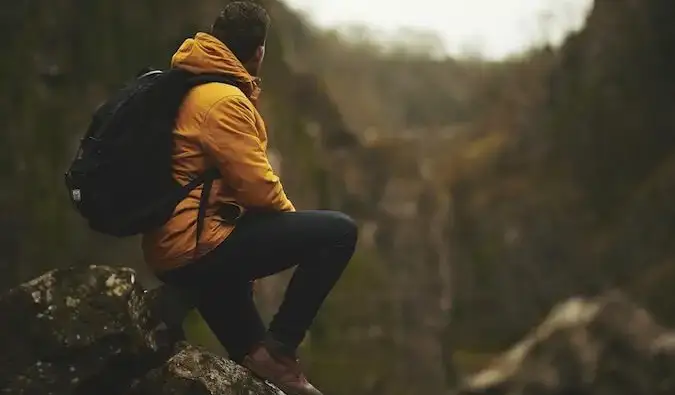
[230,139]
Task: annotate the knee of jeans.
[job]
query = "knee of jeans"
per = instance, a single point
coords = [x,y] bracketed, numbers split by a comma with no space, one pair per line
[347,228]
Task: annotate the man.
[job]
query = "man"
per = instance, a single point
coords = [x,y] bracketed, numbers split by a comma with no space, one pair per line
[218,125]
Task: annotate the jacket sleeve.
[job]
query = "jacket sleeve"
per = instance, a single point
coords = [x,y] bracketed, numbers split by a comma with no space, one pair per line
[230,139]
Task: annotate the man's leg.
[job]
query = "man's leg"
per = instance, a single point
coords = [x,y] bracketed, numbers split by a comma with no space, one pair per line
[320,243]
[226,305]
[229,310]
[316,275]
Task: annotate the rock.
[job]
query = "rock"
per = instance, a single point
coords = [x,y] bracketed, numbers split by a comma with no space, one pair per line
[601,346]
[68,327]
[197,372]
[96,330]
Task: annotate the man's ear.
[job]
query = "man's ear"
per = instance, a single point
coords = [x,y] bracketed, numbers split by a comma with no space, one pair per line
[260,53]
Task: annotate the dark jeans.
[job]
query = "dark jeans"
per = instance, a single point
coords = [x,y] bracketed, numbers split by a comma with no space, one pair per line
[320,243]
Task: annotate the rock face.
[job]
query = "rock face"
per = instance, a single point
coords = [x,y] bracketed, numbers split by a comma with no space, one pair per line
[96,330]
[601,346]
[195,372]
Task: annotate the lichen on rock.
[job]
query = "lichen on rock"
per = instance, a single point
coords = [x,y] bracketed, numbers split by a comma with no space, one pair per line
[96,330]
[194,371]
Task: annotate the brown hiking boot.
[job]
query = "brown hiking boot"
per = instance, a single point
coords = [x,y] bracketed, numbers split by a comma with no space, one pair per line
[270,362]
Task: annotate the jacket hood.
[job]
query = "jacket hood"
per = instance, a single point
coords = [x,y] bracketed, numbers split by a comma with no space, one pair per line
[206,54]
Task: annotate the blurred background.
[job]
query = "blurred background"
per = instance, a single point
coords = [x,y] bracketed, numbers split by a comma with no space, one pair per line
[499,156]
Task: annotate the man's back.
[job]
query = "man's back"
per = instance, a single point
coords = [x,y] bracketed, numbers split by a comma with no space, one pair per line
[217,126]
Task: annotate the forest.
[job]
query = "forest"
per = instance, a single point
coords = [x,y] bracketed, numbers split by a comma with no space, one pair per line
[485,192]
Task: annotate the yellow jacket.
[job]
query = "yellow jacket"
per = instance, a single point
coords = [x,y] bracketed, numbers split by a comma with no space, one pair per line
[217,125]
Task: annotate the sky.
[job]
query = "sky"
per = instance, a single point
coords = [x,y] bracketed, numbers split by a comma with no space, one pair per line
[493,29]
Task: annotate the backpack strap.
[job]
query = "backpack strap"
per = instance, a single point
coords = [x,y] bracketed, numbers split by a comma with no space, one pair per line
[207,179]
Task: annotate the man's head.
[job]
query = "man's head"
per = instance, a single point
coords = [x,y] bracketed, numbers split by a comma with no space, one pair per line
[242,26]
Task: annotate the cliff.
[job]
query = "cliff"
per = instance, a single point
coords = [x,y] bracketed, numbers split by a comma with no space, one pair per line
[574,201]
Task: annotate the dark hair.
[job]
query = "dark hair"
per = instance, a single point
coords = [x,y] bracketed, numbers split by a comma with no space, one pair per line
[242,26]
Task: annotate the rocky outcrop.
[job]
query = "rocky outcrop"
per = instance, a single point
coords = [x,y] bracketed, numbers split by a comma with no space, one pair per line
[602,346]
[196,372]
[96,330]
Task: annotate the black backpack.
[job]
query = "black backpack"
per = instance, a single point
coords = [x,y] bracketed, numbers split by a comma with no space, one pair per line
[121,178]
